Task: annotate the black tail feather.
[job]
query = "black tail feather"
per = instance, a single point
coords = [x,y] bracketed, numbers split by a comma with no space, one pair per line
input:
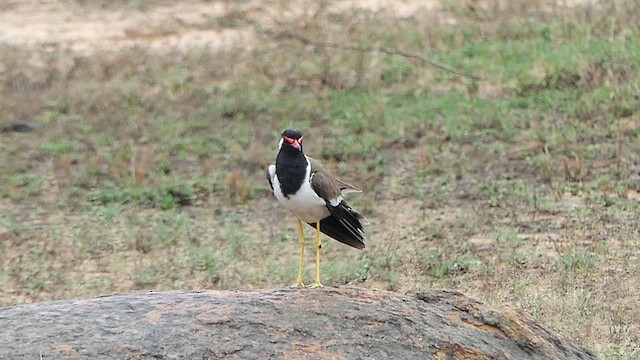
[343,225]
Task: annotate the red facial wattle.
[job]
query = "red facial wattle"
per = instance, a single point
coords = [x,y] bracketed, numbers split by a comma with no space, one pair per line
[293,142]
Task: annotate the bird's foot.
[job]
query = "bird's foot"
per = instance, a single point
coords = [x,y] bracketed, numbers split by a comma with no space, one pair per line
[297,285]
[316,284]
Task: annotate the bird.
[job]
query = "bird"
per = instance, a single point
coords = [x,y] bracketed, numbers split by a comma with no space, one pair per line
[304,187]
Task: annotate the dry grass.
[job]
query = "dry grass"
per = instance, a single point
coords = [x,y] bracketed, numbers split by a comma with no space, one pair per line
[148,171]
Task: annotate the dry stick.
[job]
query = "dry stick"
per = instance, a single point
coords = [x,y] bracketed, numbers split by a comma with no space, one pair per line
[307,41]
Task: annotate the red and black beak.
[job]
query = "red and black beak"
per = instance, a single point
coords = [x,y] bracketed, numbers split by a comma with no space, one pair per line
[295,143]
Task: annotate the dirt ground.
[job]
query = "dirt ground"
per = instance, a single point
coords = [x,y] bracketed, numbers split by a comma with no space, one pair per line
[77,26]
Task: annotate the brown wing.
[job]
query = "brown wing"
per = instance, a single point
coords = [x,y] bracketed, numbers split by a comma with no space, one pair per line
[345,187]
[343,223]
[323,183]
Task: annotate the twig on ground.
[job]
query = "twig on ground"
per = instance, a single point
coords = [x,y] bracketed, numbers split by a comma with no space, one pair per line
[382,49]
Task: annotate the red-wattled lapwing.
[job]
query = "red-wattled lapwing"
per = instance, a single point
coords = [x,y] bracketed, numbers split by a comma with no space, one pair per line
[314,196]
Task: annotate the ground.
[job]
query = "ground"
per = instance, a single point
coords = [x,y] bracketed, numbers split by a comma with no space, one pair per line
[156,122]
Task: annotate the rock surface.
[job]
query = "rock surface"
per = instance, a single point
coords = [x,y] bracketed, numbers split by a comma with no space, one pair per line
[326,323]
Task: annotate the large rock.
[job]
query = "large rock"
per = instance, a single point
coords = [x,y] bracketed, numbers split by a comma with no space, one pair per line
[326,323]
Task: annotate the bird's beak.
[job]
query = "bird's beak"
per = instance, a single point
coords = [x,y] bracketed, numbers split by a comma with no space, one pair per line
[294,143]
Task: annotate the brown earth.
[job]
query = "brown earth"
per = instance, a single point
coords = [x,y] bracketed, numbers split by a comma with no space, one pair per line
[79,27]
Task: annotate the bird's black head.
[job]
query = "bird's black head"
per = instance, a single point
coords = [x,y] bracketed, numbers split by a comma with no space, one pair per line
[291,139]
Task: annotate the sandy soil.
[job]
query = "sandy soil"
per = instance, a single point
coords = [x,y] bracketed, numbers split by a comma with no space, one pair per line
[55,24]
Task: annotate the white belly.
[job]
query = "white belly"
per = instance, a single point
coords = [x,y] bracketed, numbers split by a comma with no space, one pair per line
[304,204]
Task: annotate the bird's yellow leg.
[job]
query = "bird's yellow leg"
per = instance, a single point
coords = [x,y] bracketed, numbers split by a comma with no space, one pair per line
[318,246]
[299,282]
